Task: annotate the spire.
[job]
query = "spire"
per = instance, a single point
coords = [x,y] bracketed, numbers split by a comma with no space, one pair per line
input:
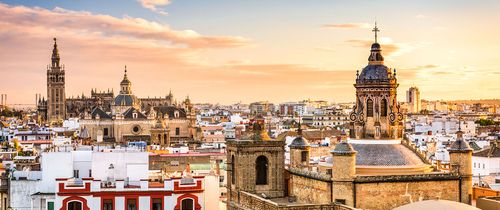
[376,57]
[460,133]
[375,30]
[299,130]
[55,55]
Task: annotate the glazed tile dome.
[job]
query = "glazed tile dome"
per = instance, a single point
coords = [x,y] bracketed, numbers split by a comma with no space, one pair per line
[126,100]
[375,72]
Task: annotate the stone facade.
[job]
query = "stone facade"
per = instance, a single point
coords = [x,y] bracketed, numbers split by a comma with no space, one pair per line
[307,188]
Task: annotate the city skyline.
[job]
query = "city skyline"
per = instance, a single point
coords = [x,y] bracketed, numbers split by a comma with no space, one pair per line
[283,54]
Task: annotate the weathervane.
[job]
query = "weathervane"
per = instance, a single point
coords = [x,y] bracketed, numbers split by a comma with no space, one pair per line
[375,30]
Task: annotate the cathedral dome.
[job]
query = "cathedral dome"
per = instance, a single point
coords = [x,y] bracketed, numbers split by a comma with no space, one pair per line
[375,72]
[126,100]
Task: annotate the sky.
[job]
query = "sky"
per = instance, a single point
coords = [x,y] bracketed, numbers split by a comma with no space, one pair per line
[227,51]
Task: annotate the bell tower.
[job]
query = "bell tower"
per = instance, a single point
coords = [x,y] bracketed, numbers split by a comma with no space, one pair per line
[56,96]
[376,114]
[255,164]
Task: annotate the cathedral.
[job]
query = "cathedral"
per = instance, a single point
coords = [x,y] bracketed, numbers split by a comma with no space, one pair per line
[373,169]
[121,118]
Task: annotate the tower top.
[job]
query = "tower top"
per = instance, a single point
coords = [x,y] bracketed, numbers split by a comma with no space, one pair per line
[55,55]
[375,30]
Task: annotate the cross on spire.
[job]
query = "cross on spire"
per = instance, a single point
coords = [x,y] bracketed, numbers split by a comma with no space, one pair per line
[375,30]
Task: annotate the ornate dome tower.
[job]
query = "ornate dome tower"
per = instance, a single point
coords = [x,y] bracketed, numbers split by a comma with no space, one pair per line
[376,113]
[125,99]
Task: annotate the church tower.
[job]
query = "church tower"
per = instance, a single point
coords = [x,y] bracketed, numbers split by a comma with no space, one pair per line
[56,96]
[256,164]
[376,114]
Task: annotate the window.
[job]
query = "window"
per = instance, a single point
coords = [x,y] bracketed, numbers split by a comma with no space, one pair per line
[369,108]
[76,174]
[106,131]
[74,205]
[165,138]
[187,204]
[90,173]
[483,165]
[233,169]
[131,204]
[107,204]
[303,156]
[177,131]
[50,204]
[261,170]
[340,201]
[383,108]
[474,165]
[157,204]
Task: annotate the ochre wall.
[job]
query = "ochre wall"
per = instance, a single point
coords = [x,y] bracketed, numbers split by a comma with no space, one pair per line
[308,190]
[387,195]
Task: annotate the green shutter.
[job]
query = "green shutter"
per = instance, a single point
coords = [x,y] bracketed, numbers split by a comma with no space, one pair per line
[50,205]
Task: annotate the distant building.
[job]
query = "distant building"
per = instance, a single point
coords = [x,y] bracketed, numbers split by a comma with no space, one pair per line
[261,108]
[413,100]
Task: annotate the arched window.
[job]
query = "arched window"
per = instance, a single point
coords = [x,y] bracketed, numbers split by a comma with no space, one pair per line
[75,205]
[187,204]
[165,139]
[383,108]
[369,108]
[233,175]
[261,170]
[159,138]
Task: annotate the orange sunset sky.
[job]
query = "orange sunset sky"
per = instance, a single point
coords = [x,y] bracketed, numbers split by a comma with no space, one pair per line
[228,51]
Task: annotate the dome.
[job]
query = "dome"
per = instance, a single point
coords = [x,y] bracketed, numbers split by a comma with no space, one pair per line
[126,100]
[375,72]
[298,142]
[460,145]
[343,148]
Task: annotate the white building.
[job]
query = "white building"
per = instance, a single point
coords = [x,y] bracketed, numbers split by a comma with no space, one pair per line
[487,161]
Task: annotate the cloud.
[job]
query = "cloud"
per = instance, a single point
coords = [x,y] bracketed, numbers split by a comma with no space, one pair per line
[420,16]
[389,47]
[85,23]
[347,25]
[325,49]
[428,66]
[153,5]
